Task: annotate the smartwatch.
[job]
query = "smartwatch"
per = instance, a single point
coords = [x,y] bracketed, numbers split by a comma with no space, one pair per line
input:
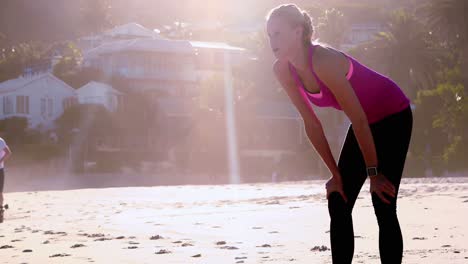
[372,171]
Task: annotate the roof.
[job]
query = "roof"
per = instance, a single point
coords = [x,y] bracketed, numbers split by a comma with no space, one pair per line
[155,45]
[214,45]
[99,85]
[134,30]
[20,82]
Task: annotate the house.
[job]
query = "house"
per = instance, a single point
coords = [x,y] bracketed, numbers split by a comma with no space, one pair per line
[148,62]
[100,93]
[39,98]
[156,66]
[360,33]
[126,31]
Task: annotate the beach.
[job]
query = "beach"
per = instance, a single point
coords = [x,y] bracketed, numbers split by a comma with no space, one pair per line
[246,223]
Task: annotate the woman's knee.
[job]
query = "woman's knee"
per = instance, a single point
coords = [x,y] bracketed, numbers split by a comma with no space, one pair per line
[383,210]
[337,206]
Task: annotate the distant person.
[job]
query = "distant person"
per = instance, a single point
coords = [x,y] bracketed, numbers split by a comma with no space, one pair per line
[377,140]
[5,152]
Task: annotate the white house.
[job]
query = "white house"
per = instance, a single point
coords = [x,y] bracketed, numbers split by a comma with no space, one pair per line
[39,98]
[360,33]
[100,93]
[152,63]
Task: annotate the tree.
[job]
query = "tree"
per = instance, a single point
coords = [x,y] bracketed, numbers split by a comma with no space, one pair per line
[332,27]
[404,52]
[14,59]
[442,115]
[95,16]
[447,18]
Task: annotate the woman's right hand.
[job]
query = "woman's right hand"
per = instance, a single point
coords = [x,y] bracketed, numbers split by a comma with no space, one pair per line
[334,184]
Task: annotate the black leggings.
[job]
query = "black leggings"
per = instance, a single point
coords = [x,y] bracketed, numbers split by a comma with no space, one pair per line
[391,137]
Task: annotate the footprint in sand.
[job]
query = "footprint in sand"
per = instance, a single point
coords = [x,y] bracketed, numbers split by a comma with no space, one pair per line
[265,246]
[6,246]
[59,255]
[92,235]
[50,232]
[163,251]
[229,248]
[77,246]
[103,239]
[187,245]
[319,248]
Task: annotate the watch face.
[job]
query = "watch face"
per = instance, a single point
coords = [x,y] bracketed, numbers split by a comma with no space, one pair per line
[372,171]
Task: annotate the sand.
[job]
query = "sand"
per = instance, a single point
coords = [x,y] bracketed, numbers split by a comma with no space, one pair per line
[247,223]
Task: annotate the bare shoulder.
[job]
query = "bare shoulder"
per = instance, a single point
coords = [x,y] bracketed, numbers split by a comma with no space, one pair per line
[328,59]
[282,73]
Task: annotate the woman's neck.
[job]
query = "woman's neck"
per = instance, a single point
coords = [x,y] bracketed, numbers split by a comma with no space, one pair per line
[300,60]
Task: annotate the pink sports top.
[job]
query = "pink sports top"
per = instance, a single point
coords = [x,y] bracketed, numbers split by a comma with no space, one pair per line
[379,95]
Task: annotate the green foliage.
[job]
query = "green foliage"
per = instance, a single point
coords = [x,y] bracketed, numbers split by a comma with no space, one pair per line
[92,122]
[446,112]
[332,27]
[404,52]
[14,129]
[14,59]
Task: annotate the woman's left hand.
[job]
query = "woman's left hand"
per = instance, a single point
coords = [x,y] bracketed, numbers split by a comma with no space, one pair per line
[380,185]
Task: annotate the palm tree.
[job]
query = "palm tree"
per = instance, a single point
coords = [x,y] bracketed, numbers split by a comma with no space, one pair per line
[403,52]
[448,19]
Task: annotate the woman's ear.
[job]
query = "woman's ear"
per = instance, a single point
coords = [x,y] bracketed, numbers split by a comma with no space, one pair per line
[299,32]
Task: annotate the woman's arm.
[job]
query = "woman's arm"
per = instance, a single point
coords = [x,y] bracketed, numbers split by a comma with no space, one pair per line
[6,155]
[334,78]
[332,74]
[312,125]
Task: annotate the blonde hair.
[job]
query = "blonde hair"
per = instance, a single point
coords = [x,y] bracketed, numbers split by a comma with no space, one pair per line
[295,17]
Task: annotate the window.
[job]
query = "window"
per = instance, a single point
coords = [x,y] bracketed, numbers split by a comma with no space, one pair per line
[7,105]
[50,107]
[68,102]
[22,104]
[43,107]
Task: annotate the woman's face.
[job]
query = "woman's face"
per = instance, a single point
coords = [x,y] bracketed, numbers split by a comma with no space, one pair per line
[284,39]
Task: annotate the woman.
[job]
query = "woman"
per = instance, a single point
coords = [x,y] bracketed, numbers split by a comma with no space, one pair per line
[378,137]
